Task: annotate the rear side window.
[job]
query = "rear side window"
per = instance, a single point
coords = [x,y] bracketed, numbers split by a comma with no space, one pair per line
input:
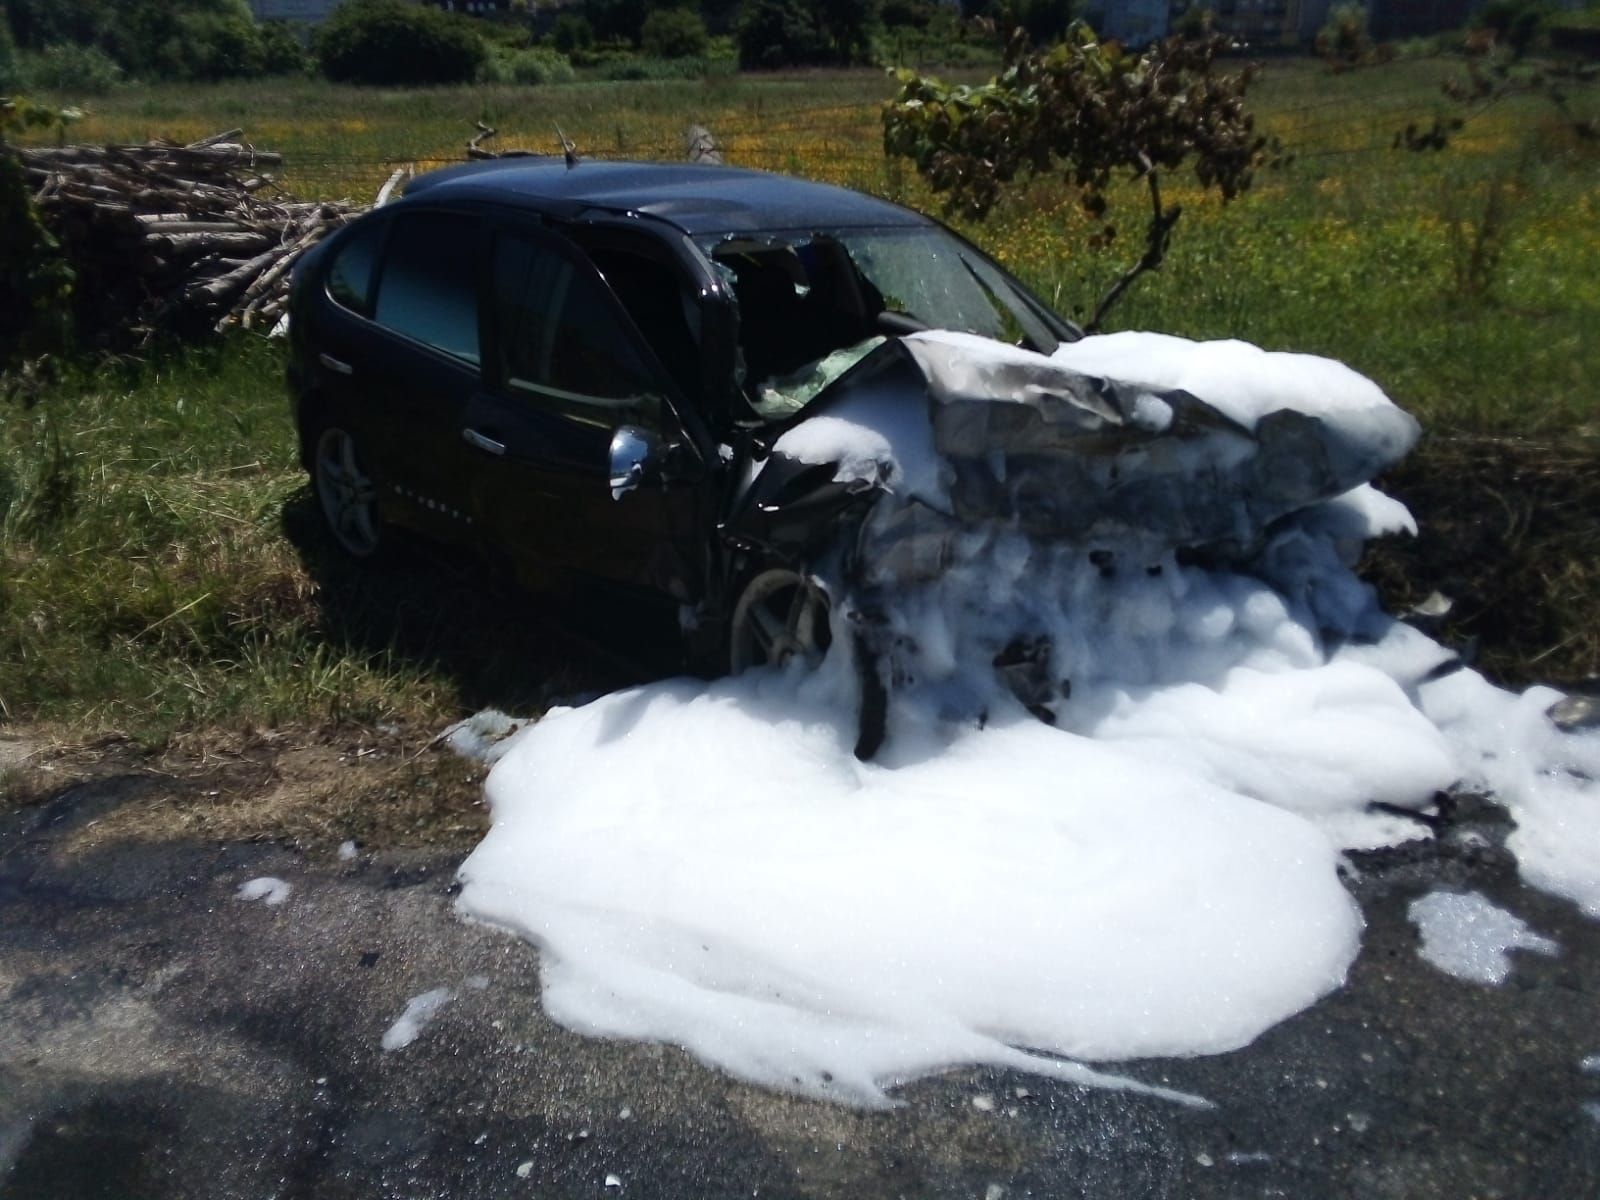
[559,339]
[351,272]
[428,287]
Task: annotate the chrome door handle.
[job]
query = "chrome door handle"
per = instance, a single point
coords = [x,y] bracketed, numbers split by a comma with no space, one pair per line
[473,438]
[333,364]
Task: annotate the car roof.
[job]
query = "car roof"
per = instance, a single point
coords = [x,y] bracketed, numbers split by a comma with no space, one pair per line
[697,198]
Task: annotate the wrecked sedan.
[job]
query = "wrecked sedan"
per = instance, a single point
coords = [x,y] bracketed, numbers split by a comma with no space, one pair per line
[756,399]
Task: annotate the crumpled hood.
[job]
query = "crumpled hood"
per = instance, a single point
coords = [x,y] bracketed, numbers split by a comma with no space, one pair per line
[974,430]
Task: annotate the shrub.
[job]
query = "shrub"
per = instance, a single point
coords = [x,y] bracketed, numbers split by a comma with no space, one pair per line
[531,67]
[391,42]
[673,33]
[634,68]
[76,70]
[570,32]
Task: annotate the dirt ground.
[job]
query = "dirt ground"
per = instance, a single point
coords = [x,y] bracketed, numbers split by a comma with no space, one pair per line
[161,1037]
[312,789]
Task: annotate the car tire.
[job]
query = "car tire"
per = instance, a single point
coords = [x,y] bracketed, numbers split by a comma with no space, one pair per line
[781,615]
[346,494]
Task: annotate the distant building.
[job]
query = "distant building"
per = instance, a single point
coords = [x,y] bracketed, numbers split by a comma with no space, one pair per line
[310,12]
[1312,16]
[314,12]
[1133,22]
[475,8]
[1388,20]
[1257,22]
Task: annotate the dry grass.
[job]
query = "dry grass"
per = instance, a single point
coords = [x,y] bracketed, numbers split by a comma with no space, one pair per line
[384,789]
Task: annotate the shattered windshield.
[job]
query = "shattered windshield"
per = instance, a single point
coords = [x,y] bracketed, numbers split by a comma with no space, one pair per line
[811,304]
[929,275]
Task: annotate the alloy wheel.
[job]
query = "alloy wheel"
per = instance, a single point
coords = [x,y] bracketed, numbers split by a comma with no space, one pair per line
[781,616]
[346,493]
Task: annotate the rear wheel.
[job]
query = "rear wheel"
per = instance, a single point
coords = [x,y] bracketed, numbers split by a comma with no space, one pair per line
[781,616]
[346,494]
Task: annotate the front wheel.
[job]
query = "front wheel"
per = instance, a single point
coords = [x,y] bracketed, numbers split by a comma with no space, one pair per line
[781,616]
[346,494]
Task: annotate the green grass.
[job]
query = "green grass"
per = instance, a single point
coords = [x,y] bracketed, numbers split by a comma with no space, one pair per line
[163,567]
[157,568]
[147,583]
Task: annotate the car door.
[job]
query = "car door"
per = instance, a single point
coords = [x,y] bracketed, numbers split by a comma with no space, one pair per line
[566,369]
[408,369]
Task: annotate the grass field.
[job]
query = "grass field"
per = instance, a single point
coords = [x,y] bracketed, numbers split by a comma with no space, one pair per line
[160,569]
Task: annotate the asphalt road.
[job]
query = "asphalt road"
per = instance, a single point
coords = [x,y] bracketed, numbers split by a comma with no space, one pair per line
[161,1038]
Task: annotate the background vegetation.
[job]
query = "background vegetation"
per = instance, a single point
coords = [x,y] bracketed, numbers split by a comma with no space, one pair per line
[160,567]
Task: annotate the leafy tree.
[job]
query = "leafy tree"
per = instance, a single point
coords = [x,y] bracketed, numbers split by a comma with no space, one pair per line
[784,33]
[40,23]
[1089,112]
[181,39]
[721,16]
[673,33]
[10,68]
[1343,42]
[1517,24]
[282,52]
[1496,72]
[1193,22]
[392,42]
[778,33]
[219,43]
[571,32]
[617,20]
[906,14]
[848,26]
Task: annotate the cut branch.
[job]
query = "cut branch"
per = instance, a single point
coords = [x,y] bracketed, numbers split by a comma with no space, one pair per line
[173,238]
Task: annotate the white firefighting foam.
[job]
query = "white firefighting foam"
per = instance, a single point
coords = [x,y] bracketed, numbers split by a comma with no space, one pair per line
[1155,874]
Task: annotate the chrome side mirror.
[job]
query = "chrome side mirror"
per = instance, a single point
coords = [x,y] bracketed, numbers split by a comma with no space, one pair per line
[635,459]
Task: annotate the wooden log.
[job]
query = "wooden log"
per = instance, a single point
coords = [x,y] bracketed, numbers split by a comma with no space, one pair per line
[226,136]
[224,286]
[231,242]
[701,147]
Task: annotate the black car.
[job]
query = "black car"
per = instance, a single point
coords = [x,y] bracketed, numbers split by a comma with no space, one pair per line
[570,368]
[585,372]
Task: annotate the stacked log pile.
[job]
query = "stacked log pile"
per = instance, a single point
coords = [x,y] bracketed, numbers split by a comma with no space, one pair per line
[175,238]
[192,239]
